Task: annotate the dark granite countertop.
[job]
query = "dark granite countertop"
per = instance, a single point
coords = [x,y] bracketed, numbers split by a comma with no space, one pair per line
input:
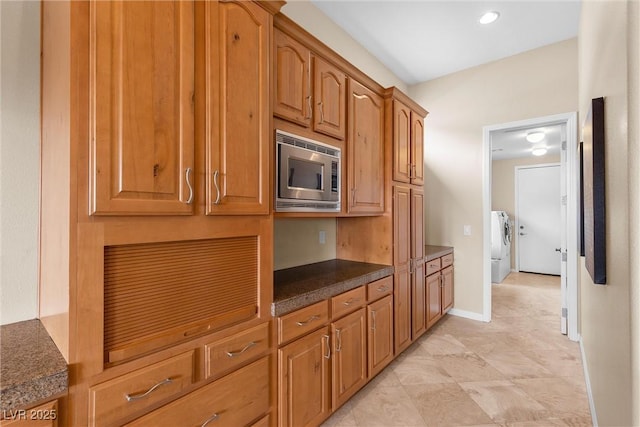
[298,287]
[432,252]
[32,369]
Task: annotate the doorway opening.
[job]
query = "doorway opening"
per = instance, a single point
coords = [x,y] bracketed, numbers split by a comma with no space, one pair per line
[498,141]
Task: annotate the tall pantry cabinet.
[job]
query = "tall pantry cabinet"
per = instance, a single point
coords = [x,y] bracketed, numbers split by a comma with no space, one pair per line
[405,132]
[156,233]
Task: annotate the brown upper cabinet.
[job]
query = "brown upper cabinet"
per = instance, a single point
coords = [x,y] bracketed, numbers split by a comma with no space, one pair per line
[145,82]
[329,99]
[309,90]
[292,71]
[237,108]
[365,151]
[141,84]
[408,138]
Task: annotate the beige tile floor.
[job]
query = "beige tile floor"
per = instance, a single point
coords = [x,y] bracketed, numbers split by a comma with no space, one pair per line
[517,370]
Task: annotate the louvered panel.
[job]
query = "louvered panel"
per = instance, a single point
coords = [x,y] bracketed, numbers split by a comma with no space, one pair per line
[159,293]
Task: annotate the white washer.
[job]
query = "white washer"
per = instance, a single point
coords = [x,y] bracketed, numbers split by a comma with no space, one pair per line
[500,246]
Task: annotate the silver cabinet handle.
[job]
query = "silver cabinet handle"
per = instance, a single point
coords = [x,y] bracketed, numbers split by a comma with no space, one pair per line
[238,353]
[188,178]
[339,339]
[215,183]
[132,397]
[212,418]
[321,112]
[410,170]
[309,320]
[373,320]
[309,107]
[353,195]
[328,355]
[383,289]
[350,301]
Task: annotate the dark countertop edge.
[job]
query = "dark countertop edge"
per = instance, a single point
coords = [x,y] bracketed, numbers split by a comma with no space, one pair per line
[284,306]
[27,386]
[432,252]
[35,392]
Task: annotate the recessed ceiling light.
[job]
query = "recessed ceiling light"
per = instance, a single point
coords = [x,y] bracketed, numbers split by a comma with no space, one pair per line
[541,151]
[534,137]
[489,17]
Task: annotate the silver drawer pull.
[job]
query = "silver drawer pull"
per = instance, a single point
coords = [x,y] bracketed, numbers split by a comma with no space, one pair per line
[212,418]
[383,289]
[351,301]
[131,397]
[328,355]
[188,179]
[238,353]
[309,320]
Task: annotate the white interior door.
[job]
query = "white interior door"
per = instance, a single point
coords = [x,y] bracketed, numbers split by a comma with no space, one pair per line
[538,222]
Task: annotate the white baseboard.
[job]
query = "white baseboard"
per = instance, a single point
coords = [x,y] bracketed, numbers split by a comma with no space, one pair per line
[592,406]
[466,314]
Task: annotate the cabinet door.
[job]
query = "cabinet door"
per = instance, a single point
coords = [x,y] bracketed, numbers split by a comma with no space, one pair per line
[402,167]
[365,174]
[417,225]
[238,109]
[418,301]
[401,262]
[380,334]
[141,107]
[304,383]
[329,99]
[417,149]
[292,70]
[447,289]
[349,364]
[434,299]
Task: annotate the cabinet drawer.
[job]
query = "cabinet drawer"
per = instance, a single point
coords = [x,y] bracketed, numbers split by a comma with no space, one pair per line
[224,355]
[432,266]
[347,302]
[379,288]
[446,260]
[301,321]
[235,400]
[122,396]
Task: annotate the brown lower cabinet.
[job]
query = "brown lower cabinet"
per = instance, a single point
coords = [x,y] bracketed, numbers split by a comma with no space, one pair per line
[319,371]
[439,287]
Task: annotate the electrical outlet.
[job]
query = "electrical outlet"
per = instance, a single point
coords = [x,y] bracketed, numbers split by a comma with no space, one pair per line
[322,237]
[467,230]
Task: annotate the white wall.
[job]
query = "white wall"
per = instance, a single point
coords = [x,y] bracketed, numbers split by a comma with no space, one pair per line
[537,83]
[19,159]
[607,65]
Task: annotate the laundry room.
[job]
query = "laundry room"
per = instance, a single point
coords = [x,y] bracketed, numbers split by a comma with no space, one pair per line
[525,189]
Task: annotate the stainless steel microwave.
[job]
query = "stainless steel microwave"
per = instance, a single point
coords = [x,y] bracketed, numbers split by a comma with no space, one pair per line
[307,175]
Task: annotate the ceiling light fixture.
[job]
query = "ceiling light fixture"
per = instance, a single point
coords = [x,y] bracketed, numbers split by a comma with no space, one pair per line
[489,17]
[534,137]
[540,151]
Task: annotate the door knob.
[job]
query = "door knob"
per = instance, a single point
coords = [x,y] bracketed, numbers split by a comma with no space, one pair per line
[521,227]
[523,234]
[558,250]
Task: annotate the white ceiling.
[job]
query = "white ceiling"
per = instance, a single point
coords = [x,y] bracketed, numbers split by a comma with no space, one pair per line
[511,143]
[424,39]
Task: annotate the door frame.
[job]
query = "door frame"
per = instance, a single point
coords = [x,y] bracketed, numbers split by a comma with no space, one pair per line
[570,120]
[516,225]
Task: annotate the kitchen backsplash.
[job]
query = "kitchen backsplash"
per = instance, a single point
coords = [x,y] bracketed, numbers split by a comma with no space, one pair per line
[297,241]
